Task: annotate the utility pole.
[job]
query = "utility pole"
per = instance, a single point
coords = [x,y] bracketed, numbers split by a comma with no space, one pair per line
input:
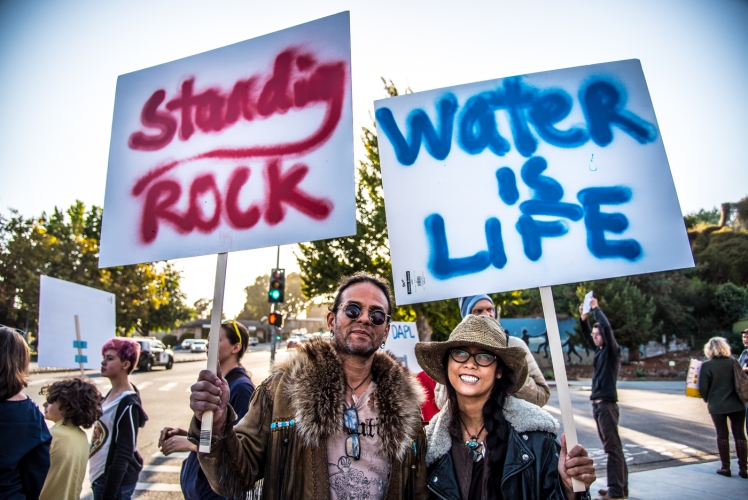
[275,331]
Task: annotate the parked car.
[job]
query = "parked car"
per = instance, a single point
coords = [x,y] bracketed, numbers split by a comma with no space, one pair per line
[154,353]
[187,344]
[199,345]
[295,340]
[253,341]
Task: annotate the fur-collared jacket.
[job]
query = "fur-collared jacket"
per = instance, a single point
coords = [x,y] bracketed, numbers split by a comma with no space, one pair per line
[531,463]
[283,437]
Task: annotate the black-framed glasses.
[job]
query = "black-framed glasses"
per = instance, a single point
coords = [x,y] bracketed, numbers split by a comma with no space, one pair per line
[377,316]
[353,441]
[481,358]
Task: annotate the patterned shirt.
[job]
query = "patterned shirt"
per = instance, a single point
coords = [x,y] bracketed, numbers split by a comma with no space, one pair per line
[367,478]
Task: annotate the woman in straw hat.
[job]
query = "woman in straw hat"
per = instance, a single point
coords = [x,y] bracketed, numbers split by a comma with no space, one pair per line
[486,444]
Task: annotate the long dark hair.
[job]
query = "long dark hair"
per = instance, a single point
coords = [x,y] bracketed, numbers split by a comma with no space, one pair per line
[14,363]
[493,419]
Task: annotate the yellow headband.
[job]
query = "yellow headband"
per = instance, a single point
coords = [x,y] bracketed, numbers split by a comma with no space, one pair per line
[236,329]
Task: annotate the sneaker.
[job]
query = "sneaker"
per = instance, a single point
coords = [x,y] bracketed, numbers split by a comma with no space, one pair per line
[604,494]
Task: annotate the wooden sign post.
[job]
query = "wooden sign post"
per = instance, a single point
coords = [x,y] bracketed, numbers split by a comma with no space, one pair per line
[559,372]
[79,345]
[206,429]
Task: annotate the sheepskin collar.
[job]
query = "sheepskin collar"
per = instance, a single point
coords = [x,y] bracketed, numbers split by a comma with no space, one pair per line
[521,415]
[314,384]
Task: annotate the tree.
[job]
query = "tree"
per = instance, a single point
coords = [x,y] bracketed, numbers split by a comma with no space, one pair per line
[629,311]
[202,307]
[731,302]
[65,245]
[702,217]
[257,306]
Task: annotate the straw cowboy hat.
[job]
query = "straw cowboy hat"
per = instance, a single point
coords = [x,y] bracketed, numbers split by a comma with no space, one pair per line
[476,331]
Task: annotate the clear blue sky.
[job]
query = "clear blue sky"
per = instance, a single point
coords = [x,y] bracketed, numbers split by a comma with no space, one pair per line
[59,63]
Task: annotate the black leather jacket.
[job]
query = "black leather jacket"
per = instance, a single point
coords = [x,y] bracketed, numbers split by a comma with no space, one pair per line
[530,469]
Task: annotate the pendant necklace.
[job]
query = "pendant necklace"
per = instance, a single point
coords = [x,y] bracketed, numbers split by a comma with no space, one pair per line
[477,451]
[353,390]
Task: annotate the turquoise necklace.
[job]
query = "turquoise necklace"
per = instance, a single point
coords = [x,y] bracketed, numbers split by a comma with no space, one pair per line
[476,449]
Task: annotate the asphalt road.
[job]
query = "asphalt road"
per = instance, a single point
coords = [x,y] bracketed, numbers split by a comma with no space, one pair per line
[660,427]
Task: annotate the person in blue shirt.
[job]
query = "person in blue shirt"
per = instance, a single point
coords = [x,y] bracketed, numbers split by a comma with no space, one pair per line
[25,439]
[231,348]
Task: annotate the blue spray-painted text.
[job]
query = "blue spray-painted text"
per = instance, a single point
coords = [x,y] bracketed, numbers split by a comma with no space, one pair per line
[603,104]
[546,201]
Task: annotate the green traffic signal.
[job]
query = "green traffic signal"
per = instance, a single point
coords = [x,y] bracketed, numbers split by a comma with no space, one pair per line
[277,286]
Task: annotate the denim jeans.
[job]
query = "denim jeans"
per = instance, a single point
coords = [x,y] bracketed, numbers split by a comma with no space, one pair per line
[606,417]
[125,491]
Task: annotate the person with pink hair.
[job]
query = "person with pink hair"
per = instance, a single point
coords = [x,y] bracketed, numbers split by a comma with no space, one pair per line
[115,463]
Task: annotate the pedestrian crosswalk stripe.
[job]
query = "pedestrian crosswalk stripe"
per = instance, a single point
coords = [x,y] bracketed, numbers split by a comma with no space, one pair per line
[40,381]
[162,468]
[167,386]
[158,487]
[189,389]
[178,454]
[144,385]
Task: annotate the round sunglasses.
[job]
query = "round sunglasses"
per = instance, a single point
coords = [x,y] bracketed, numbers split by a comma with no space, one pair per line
[481,359]
[377,316]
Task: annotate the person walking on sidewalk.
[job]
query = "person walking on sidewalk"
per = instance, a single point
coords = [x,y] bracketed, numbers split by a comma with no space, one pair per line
[604,397]
[743,360]
[717,387]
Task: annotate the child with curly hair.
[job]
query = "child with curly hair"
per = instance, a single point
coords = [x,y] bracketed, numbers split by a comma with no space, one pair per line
[71,404]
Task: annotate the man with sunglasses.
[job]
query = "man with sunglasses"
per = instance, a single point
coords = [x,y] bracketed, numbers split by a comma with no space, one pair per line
[339,419]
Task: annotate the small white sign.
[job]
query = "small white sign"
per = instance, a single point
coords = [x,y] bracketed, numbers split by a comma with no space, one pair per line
[59,302]
[528,181]
[586,303]
[401,342]
[245,146]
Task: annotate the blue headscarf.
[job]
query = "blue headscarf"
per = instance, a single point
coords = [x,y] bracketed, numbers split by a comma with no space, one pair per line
[467,303]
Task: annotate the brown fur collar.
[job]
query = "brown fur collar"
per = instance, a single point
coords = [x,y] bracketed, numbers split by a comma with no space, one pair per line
[314,384]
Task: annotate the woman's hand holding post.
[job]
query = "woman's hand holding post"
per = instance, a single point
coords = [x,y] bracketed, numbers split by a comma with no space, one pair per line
[575,464]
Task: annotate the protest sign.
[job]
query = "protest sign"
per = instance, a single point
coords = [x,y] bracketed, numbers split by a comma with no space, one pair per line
[63,304]
[401,342]
[245,146]
[528,181]
[692,379]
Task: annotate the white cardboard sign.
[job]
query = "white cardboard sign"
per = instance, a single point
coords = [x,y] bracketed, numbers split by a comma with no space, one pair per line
[401,341]
[59,302]
[527,181]
[245,146]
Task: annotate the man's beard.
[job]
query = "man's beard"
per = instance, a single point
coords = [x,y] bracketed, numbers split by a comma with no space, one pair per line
[350,350]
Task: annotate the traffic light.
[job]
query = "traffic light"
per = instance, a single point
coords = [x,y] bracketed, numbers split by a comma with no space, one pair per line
[275,319]
[277,290]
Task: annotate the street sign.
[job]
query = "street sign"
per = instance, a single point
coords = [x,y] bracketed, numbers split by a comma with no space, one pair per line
[245,146]
[66,307]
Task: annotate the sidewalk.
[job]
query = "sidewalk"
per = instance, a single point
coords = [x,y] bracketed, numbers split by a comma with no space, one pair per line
[687,482]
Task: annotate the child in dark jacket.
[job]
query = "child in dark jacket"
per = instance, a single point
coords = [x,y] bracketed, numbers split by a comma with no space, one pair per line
[115,463]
